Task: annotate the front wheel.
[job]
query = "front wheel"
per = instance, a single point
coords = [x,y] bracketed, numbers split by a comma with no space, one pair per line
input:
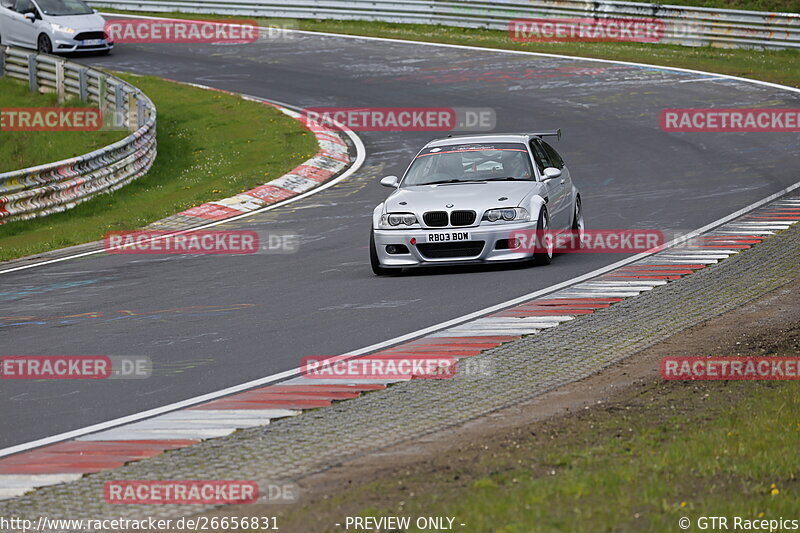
[578,224]
[377,269]
[44,46]
[543,254]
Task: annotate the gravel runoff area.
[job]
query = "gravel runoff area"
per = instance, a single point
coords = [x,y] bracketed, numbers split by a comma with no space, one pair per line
[295,447]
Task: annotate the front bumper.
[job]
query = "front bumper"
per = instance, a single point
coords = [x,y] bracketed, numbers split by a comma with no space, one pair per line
[65,45]
[491,236]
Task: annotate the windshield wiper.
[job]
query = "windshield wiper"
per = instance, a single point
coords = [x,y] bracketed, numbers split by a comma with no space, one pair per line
[451,181]
[507,178]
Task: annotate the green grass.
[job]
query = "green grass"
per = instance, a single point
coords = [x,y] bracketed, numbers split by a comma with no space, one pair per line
[211,146]
[682,467]
[785,6]
[777,66]
[22,149]
[669,451]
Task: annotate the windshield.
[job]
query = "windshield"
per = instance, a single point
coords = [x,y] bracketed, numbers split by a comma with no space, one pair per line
[59,8]
[470,162]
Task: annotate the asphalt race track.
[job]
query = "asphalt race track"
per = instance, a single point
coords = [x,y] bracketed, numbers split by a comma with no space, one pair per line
[209,322]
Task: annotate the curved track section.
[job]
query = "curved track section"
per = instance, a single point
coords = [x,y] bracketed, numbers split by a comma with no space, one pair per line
[216,321]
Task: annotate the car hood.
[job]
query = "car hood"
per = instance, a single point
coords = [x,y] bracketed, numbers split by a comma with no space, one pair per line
[477,196]
[80,23]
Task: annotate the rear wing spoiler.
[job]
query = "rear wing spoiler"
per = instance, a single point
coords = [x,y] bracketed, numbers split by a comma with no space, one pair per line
[553,133]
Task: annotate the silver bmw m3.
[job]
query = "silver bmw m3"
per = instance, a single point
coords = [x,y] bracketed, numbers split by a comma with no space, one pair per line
[463,198]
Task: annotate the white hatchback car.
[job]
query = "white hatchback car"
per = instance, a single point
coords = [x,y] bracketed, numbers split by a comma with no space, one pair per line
[53,26]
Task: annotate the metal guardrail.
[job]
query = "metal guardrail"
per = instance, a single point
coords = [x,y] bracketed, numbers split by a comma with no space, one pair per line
[690,26]
[55,187]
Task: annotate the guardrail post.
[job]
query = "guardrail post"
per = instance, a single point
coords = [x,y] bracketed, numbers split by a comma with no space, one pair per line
[33,74]
[140,113]
[133,114]
[83,85]
[2,60]
[60,88]
[101,95]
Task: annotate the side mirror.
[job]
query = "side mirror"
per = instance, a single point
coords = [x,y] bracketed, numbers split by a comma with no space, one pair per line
[390,181]
[30,16]
[551,173]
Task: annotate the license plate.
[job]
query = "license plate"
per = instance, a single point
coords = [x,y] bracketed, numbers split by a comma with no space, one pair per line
[92,42]
[450,236]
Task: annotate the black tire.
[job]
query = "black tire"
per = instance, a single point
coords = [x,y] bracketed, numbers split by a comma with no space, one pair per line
[578,223]
[44,45]
[544,257]
[377,269]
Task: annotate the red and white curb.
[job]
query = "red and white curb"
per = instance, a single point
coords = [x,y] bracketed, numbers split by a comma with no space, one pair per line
[113,447]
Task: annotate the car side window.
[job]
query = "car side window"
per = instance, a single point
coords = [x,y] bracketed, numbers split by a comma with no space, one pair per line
[552,155]
[539,155]
[24,6]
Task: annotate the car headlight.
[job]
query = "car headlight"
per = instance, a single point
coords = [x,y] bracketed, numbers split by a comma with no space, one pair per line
[62,29]
[393,220]
[507,214]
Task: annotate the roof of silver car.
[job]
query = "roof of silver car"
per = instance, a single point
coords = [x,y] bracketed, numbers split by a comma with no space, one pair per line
[492,138]
[486,138]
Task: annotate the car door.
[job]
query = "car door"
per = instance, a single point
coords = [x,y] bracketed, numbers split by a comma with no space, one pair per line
[8,19]
[566,180]
[556,191]
[21,31]
[6,8]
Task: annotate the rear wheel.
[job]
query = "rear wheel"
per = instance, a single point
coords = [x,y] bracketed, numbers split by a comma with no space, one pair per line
[377,269]
[543,251]
[44,46]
